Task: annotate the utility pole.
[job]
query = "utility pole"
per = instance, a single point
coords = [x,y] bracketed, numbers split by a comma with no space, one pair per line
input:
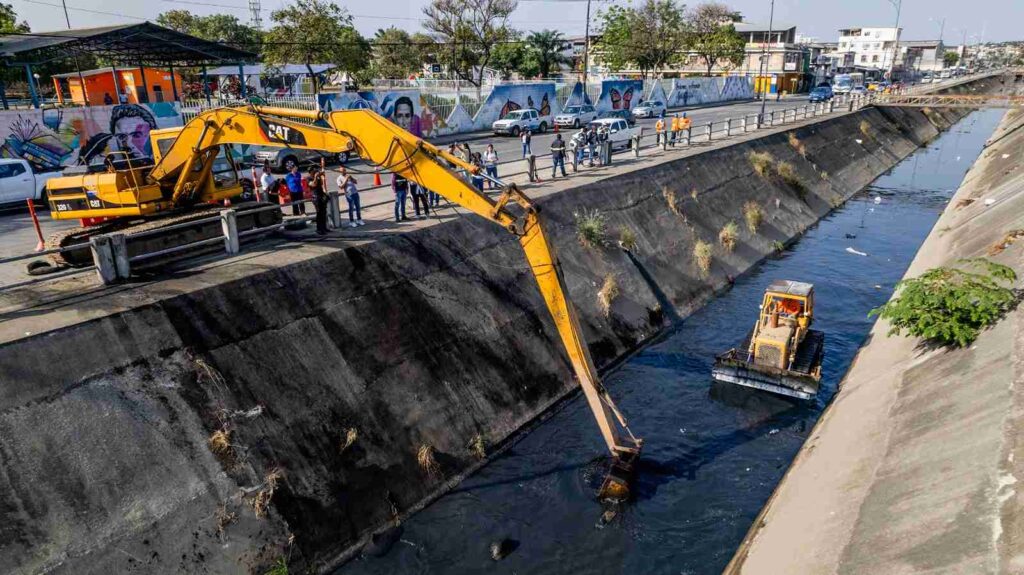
[896,48]
[764,63]
[586,53]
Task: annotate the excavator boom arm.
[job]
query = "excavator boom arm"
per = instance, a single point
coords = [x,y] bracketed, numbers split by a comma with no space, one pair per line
[384,144]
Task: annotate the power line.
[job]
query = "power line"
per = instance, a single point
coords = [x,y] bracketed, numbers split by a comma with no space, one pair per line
[86,10]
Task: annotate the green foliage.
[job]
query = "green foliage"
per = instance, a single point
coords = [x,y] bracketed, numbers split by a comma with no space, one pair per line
[395,55]
[950,306]
[591,229]
[474,28]
[778,246]
[713,38]
[648,36]
[627,239]
[514,57]
[753,214]
[950,59]
[9,21]
[728,236]
[702,257]
[762,162]
[215,28]
[315,32]
[544,52]
[280,567]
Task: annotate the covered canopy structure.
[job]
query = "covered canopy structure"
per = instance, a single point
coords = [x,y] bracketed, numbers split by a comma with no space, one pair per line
[135,45]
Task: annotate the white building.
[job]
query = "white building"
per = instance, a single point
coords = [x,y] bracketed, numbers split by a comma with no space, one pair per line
[922,55]
[873,49]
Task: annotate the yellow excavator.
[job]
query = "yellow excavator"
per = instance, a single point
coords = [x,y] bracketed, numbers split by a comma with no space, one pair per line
[184,175]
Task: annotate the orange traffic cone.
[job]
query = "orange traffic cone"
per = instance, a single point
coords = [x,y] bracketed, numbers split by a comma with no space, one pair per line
[376,176]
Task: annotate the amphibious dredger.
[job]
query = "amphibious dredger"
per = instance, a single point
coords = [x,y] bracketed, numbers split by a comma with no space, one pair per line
[194,167]
[781,354]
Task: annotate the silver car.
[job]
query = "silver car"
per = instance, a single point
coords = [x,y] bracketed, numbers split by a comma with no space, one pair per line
[283,159]
[576,116]
[649,109]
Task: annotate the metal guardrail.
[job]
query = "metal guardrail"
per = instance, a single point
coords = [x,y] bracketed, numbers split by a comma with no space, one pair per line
[113,264]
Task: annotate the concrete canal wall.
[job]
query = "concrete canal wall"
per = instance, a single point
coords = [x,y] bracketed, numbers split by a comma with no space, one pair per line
[281,414]
[916,465]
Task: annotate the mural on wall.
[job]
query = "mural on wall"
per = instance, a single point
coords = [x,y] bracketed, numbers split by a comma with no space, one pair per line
[52,138]
[506,98]
[657,94]
[697,91]
[578,96]
[738,88]
[402,107]
[620,95]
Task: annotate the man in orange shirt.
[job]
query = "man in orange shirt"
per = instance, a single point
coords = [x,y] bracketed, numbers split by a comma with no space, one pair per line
[684,125]
[659,128]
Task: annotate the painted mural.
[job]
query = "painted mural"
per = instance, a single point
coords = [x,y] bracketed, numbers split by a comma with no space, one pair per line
[507,98]
[657,94]
[403,107]
[578,96]
[698,91]
[52,138]
[620,95]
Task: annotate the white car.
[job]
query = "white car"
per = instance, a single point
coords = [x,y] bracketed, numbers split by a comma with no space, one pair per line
[19,183]
[576,116]
[518,121]
[649,109]
[620,134]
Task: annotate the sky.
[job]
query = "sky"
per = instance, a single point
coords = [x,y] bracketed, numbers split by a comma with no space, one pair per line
[978,20]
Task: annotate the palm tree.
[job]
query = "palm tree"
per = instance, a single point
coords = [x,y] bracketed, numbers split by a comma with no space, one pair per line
[546,48]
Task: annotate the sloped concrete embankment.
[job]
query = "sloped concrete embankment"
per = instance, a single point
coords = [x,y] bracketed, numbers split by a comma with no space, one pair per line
[281,415]
[916,465]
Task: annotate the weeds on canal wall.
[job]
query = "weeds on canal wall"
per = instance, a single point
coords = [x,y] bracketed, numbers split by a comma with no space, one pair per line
[591,229]
[866,129]
[607,294]
[754,215]
[427,462]
[951,306]
[627,239]
[702,257]
[763,163]
[261,502]
[351,435]
[778,247]
[797,145]
[728,235]
[478,446]
[788,174]
[670,199]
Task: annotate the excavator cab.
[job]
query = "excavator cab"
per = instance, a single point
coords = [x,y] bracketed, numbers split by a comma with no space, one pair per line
[781,354]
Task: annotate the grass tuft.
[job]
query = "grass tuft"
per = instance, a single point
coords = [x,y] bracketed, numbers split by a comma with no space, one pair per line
[788,175]
[754,215]
[261,502]
[728,235]
[627,239]
[427,461]
[866,129]
[478,446]
[607,294]
[778,246]
[1008,239]
[351,435]
[797,145]
[762,162]
[220,443]
[702,257]
[591,229]
[671,200]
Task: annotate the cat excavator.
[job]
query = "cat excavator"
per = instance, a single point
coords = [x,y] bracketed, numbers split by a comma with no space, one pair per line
[183,175]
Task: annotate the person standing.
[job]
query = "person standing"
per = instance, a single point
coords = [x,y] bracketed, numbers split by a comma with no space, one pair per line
[591,145]
[659,129]
[675,129]
[526,136]
[491,164]
[400,186]
[318,187]
[347,186]
[266,182]
[294,182]
[478,180]
[580,141]
[558,155]
[419,197]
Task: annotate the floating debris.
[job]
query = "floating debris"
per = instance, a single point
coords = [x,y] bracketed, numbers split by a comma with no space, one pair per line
[855,252]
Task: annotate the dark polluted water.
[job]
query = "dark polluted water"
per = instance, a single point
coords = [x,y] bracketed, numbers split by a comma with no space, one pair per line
[713,454]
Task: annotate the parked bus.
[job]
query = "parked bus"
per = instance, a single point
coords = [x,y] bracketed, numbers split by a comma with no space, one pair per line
[844,83]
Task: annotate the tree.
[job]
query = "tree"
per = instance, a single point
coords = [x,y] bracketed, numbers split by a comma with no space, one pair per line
[648,37]
[215,28]
[513,56]
[950,59]
[712,36]
[546,49]
[9,21]
[472,29]
[394,54]
[315,31]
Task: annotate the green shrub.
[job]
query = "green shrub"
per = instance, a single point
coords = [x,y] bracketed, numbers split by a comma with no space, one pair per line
[950,306]
[627,239]
[702,257]
[763,162]
[797,145]
[590,229]
[280,567]
[778,246]
[788,175]
[728,235]
[865,128]
[753,214]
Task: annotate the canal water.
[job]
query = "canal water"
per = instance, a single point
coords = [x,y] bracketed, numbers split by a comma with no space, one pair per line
[713,453]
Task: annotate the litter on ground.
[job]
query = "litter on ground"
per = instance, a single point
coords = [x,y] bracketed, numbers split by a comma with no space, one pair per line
[855,252]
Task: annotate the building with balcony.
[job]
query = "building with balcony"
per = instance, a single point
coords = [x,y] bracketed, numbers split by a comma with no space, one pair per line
[874,49]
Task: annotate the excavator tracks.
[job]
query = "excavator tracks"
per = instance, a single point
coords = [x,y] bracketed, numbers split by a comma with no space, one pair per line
[151,242]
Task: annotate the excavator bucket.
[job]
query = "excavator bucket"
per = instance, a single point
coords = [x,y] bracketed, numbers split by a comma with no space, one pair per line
[616,485]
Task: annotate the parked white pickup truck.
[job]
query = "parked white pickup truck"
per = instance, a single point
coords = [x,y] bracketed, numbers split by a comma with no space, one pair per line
[19,183]
[620,134]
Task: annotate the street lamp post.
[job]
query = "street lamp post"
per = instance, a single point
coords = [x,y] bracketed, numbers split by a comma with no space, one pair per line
[896,48]
[764,63]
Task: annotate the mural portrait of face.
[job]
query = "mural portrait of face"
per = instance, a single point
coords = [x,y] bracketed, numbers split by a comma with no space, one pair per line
[130,125]
[404,115]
